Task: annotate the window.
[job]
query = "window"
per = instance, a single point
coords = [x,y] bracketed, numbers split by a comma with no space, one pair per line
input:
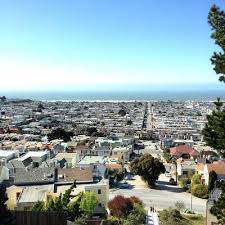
[99,191]
[18,195]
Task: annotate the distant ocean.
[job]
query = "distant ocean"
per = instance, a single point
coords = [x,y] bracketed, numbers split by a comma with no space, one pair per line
[118,96]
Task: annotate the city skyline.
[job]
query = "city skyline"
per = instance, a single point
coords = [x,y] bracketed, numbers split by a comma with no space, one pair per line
[94,45]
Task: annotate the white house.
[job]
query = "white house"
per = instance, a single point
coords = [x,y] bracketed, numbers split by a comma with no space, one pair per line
[4,173]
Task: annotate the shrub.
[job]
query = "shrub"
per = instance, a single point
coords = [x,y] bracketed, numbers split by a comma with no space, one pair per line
[184,181]
[167,156]
[120,206]
[179,205]
[136,216]
[171,217]
[196,179]
[200,191]
[136,200]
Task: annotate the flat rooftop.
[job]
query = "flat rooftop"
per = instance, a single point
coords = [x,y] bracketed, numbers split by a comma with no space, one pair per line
[5,153]
[35,193]
[33,154]
[92,159]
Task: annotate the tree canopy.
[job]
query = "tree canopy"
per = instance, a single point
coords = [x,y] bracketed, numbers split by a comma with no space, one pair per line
[60,133]
[126,211]
[218,209]
[212,180]
[148,167]
[214,131]
[120,206]
[88,203]
[216,19]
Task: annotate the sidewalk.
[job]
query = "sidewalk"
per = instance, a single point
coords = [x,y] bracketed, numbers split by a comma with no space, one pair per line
[152,218]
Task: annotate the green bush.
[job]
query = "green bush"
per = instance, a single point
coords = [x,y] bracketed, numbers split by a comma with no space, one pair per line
[179,205]
[184,181]
[167,156]
[200,191]
[172,217]
[196,179]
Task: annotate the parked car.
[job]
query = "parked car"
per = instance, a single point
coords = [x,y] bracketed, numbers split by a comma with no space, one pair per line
[167,174]
[172,181]
[124,185]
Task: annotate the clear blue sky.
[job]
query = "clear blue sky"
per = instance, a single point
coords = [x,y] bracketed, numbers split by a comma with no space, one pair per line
[105,44]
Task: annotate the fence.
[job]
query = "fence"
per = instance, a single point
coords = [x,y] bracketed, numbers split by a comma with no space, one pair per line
[39,218]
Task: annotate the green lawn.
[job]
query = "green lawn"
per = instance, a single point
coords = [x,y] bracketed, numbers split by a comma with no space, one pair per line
[195,219]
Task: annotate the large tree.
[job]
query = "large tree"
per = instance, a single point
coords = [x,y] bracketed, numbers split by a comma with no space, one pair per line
[60,133]
[218,209]
[212,180]
[88,203]
[214,131]
[120,206]
[148,167]
[216,19]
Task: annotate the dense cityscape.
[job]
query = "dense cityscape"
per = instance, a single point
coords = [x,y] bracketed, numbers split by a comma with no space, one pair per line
[47,146]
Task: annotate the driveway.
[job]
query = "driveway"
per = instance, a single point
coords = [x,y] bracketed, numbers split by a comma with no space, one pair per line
[162,197]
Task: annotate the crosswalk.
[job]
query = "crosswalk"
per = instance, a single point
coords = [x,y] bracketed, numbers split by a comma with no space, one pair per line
[152,218]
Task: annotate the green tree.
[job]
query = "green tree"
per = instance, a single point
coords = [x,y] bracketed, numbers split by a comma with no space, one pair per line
[49,205]
[196,179]
[81,220]
[6,217]
[39,206]
[58,204]
[3,99]
[200,191]
[73,210]
[212,180]
[88,203]
[136,216]
[218,209]
[60,133]
[214,131]
[148,167]
[216,19]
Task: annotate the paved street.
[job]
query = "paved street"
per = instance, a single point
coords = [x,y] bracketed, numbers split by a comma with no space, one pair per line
[163,197]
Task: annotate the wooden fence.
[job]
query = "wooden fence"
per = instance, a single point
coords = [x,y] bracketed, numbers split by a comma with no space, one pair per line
[39,218]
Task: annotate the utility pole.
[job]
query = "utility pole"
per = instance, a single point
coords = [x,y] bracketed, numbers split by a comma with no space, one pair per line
[191,195]
[206,212]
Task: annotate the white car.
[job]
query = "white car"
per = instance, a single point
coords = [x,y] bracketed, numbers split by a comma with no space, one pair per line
[167,174]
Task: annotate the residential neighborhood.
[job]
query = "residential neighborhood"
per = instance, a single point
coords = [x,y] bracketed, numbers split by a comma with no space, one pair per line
[47,146]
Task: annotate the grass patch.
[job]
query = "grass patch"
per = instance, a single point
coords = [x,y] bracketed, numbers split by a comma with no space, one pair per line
[195,219]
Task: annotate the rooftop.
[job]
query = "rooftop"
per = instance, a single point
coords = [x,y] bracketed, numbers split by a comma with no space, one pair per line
[35,193]
[33,154]
[6,153]
[81,175]
[92,159]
